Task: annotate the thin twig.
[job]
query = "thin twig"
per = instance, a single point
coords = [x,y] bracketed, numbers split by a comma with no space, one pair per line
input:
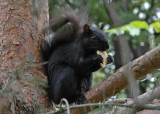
[138,102]
[146,106]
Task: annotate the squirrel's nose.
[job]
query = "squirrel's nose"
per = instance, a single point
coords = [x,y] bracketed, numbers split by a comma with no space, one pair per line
[104,46]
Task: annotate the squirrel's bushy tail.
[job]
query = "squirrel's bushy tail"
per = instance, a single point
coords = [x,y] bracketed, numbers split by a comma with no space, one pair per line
[77,19]
[66,24]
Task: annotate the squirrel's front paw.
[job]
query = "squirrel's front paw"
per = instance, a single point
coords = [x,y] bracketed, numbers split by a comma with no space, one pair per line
[96,64]
[99,59]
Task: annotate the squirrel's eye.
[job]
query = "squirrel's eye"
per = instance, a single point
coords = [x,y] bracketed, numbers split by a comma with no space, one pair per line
[94,37]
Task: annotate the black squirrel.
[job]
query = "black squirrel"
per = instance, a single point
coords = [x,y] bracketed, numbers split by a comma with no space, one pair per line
[72,55]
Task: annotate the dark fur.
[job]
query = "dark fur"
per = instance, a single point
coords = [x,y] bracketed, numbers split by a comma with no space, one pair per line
[71,56]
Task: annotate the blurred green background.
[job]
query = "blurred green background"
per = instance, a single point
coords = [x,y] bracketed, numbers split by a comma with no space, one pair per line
[137,21]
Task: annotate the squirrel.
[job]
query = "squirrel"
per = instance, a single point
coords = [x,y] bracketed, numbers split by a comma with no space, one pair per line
[72,55]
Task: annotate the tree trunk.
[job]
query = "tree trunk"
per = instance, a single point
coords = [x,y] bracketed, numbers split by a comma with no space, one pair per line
[21,81]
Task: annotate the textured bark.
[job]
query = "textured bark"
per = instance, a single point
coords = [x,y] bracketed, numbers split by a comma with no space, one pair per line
[21,22]
[116,82]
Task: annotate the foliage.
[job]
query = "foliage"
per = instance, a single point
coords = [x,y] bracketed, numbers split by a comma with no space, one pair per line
[140,23]
[134,28]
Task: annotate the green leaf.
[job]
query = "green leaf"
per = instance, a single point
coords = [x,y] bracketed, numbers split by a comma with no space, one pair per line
[140,24]
[133,31]
[112,31]
[156,26]
[134,28]
[125,27]
[117,31]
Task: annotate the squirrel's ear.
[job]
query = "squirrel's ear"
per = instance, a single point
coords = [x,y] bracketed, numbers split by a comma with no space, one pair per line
[86,28]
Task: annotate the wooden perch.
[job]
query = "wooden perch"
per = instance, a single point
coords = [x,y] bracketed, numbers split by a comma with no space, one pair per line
[116,82]
[139,103]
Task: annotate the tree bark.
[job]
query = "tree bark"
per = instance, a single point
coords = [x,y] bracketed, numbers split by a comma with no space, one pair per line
[116,82]
[21,88]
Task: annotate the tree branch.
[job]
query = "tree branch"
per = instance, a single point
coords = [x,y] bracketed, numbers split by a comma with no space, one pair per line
[124,103]
[116,82]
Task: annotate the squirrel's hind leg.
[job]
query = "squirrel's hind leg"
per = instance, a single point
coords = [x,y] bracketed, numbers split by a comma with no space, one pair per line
[65,84]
